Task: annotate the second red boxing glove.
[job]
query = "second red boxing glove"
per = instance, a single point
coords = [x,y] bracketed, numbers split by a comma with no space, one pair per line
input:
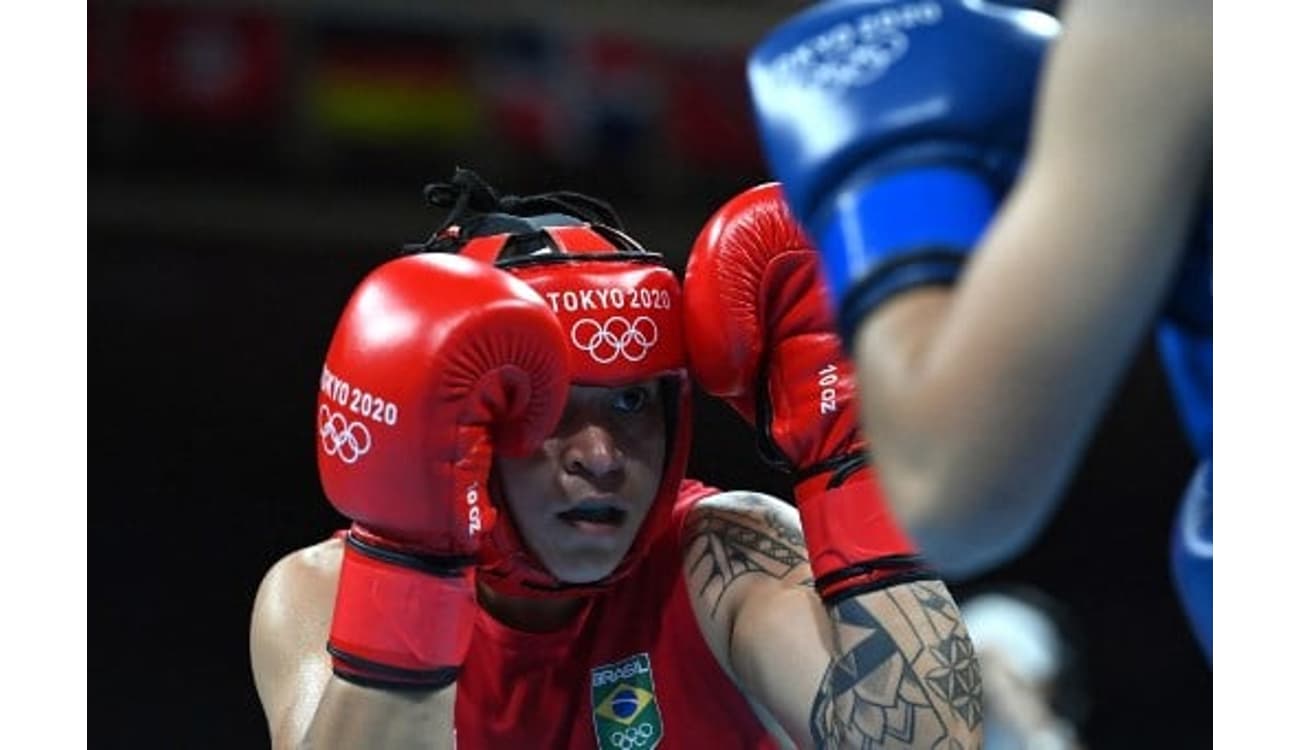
[756,308]
[761,336]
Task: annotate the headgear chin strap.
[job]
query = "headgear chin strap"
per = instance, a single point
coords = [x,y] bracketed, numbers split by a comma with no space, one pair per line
[621,307]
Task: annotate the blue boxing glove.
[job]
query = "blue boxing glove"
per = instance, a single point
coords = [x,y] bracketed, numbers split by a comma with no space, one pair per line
[895,127]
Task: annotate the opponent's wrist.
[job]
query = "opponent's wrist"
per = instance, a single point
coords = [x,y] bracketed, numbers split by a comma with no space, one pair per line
[892,229]
[401,620]
[854,545]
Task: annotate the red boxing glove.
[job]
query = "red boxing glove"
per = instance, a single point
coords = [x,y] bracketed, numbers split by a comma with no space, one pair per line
[436,361]
[761,336]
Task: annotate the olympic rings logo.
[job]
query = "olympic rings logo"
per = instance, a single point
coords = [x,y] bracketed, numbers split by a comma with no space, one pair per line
[339,437]
[636,736]
[857,52]
[615,338]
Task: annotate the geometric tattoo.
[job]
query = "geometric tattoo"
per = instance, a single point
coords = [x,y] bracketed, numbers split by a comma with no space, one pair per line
[904,674]
[720,549]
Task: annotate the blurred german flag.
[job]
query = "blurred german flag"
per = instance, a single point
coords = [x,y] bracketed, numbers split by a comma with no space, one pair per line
[372,92]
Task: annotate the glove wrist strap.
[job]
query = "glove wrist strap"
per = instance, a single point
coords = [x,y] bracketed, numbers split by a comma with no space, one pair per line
[400,621]
[853,542]
[903,249]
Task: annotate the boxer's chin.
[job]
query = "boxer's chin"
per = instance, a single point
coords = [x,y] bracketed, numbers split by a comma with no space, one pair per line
[578,551]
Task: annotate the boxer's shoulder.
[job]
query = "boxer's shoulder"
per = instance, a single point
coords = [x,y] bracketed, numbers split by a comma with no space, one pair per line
[732,534]
[317,560]
[758,507]
[322,558]
[289,628]
[302,580]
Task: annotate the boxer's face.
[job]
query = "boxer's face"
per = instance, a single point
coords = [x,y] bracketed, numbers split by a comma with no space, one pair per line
[579,499]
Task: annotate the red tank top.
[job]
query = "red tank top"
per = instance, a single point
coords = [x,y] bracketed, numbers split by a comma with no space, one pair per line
[631,672]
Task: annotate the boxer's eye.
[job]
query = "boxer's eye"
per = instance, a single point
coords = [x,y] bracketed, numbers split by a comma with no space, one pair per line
[631,400]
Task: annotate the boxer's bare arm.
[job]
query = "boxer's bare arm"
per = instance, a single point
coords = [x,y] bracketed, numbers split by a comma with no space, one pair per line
[305,705]
[892,668]
[980,401]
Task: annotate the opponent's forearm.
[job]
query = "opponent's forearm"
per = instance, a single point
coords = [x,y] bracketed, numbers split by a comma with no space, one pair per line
[980,405]
[351,716]
[903,673]
[982,401]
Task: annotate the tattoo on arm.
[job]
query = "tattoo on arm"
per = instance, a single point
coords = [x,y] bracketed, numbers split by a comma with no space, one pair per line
[904,670]
[721,548]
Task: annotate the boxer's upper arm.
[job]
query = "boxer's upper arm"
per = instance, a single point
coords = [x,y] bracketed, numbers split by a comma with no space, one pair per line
[290,626]
[882,660]
[745,563]
[980,403]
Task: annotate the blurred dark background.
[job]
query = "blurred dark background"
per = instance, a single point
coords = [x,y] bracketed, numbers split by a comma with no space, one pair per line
[249,162]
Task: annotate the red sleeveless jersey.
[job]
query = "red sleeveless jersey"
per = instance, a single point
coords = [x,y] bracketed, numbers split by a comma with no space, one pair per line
[631,672]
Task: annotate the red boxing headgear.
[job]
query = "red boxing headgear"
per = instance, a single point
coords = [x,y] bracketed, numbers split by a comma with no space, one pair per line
[622,310]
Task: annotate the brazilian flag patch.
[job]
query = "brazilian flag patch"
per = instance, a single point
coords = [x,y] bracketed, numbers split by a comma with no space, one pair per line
[624,707]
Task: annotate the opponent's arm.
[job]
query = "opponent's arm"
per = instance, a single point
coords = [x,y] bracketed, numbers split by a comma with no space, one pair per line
[304,703]
[889,668]
[1057,297]
[980,400]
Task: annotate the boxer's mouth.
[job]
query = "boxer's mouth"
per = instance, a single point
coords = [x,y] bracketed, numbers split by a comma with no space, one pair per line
[603,514]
